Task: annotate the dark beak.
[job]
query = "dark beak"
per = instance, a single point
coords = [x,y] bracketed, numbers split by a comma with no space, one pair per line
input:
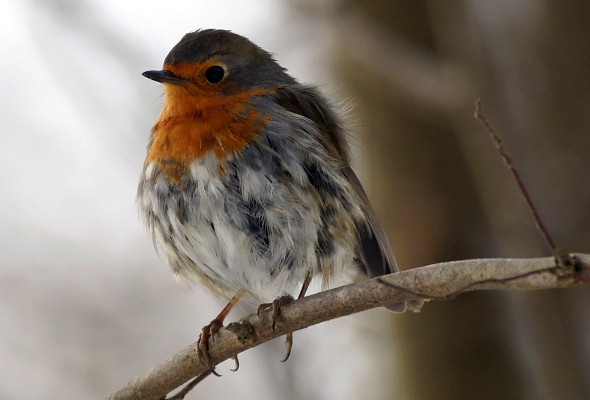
[163,77]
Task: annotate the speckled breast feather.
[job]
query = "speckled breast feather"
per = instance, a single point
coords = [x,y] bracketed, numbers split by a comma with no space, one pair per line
[258,220]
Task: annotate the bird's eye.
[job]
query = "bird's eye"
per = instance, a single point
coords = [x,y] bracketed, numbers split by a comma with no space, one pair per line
[214,74]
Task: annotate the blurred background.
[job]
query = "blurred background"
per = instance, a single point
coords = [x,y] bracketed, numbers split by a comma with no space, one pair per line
[85,302]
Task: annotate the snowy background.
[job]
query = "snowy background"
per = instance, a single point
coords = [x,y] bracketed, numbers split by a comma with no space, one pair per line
[85,302]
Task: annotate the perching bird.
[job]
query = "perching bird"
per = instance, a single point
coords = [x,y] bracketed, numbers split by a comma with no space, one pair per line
[247,186]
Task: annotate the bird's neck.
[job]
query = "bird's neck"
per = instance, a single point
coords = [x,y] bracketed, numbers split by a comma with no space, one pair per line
[190,127]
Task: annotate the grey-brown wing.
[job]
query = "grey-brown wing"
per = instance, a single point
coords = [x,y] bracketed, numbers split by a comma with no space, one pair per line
[376,246]
[376,250]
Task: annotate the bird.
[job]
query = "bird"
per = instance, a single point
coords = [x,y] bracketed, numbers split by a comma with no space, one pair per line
[247,186]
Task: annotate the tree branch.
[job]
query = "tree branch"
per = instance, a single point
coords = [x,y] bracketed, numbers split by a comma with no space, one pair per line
[434,282]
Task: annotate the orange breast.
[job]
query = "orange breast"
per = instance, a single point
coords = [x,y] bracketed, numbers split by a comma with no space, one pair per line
[191,126]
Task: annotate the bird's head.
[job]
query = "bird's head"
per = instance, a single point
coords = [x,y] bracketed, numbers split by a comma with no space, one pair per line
[219,63]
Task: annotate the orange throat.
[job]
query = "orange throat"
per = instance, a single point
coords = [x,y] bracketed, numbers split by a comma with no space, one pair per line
[189,127]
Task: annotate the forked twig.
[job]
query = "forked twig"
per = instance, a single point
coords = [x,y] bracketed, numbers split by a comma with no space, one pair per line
[436,282]
[440,281]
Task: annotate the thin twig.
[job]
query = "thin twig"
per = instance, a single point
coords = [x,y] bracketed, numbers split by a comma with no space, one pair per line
[189,386]
[479,115]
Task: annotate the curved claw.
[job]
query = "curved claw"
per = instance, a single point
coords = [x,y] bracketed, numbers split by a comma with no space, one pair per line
[209,331]
[262,308]
[203,348]
[276,308]
[237,367]
[288,345]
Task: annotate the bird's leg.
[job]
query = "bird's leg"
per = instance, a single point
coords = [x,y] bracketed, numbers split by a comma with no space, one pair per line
[210,330]
[276,305]
[289,337]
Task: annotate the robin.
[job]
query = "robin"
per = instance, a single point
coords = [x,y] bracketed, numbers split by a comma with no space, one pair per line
[247,186]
